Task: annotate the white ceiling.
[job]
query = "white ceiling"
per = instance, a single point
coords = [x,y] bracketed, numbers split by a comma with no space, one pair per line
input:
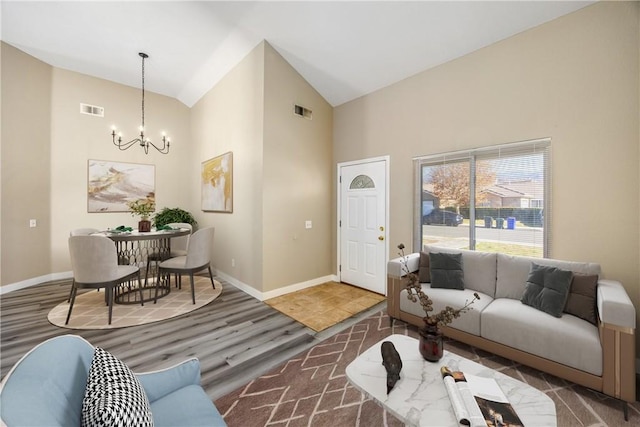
[343,49]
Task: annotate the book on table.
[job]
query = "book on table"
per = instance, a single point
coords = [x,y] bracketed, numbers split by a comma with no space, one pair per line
[478,401]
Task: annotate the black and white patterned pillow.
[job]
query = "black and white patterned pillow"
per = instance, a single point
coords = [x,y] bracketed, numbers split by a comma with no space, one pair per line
[114,396]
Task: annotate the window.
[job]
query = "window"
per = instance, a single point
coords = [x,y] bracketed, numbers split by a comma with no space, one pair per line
[491,199]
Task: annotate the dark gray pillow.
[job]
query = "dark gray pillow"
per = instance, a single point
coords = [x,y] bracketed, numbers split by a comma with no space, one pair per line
[547,289]
[424,276]
[581,301]
[446,271]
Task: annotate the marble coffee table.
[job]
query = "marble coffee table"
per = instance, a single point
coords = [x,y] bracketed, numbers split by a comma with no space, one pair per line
[420,397]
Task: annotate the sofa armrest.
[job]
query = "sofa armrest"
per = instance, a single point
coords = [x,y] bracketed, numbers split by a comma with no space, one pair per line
[158,384]
[617,335]
[396,281]
[614,305]
[394,266]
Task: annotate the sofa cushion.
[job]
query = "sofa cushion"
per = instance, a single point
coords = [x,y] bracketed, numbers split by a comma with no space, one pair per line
[196,409]
[467,322]
[424,275]
[547,289]
[51,378]
[568,340]
[581,301]
[114,396]
[513,271]
[479,268]
[446,270]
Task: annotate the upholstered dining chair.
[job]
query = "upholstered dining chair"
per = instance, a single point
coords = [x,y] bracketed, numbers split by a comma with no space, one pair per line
[178,247]
[94,262]
[83,231]
[180,244]
[198,258]
[80,232]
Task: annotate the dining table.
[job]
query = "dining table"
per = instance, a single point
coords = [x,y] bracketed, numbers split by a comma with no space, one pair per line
[135,248]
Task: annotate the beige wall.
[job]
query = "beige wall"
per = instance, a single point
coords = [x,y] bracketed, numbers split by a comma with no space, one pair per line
[576,80]
[281,173]
[26,170]
[297,178]
[46,144]
[230,118]
[76,138]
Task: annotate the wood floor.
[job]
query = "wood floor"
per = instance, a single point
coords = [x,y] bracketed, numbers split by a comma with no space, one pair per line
[236,337]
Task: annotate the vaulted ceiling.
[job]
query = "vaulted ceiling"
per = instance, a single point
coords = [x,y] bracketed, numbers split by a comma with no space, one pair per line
[344,49]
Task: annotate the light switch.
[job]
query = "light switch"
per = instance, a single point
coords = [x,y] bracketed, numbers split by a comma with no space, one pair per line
[308,224]
[32,223]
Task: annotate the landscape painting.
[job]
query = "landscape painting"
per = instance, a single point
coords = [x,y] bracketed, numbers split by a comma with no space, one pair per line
[111,185]
[217,184]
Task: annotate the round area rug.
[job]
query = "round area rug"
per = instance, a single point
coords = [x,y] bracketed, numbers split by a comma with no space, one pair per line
[91,312]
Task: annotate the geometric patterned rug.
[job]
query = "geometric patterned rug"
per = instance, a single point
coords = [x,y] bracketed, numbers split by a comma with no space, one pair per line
[322,306]
[311,389]
[91,312]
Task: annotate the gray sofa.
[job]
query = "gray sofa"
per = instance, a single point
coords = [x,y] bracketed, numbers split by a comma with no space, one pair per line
[47,386]
[599,356]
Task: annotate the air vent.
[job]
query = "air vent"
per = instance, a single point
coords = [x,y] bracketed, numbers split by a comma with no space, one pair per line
[92,110]
[299,110]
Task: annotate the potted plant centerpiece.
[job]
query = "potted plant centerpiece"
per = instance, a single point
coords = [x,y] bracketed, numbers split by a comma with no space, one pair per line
[143,208]
[173,215]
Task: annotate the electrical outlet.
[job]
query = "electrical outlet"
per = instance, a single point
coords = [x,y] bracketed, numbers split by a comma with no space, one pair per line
[308,224]
[33,223]
[233,262]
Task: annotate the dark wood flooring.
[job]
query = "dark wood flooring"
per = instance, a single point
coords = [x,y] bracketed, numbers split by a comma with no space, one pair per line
[236,337]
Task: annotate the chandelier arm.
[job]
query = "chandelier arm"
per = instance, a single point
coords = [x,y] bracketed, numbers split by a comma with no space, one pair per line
[124,146]
[165,145]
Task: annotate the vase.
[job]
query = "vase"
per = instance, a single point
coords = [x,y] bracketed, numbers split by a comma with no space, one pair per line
[431,344]
[144,226]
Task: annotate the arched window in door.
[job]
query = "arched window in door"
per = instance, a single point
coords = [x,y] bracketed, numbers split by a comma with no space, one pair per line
[361,181]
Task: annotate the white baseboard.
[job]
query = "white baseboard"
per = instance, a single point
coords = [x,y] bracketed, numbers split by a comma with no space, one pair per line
[261,296]
[35,281]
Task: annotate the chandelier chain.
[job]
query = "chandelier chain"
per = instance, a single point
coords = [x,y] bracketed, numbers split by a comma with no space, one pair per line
[143,93]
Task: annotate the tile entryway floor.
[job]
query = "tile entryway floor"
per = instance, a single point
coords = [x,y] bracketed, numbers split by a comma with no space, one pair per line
[322,306]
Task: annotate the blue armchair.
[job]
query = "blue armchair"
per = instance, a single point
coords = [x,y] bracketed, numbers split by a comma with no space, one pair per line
[47,386]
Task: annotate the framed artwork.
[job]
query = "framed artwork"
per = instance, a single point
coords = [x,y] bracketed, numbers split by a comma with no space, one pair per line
[217,184]
[111,185]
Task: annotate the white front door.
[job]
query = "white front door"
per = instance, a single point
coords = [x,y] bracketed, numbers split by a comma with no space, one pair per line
[363,224]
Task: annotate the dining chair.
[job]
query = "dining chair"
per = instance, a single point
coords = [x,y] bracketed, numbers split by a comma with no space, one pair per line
[83,231]
[94,262]
[180,244]
[198,258]
[80,232]
[178,247]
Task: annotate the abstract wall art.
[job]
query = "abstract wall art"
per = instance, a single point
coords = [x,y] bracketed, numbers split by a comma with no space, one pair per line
[111,185]
[217,184]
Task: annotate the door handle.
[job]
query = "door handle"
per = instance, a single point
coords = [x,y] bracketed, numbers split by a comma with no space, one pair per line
[380,237]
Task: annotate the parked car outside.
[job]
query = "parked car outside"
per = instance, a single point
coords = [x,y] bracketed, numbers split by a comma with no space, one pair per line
[442,217]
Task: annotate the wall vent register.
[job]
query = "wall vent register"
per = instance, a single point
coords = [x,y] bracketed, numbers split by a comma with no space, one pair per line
[92,110]
[301,111]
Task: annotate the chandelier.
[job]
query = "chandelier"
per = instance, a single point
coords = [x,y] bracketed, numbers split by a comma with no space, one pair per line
[144,142]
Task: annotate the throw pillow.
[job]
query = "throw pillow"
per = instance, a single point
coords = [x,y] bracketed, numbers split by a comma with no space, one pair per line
[547,289]
[582,297]
[114,396]
[423,273]
[446,270]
